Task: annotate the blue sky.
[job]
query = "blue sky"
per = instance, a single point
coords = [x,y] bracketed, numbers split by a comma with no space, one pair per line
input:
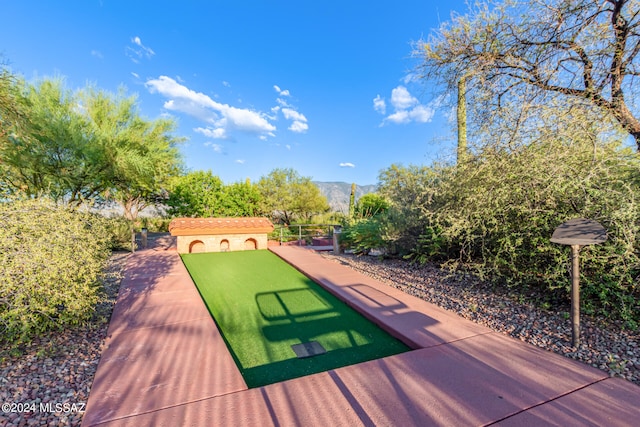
[323,87]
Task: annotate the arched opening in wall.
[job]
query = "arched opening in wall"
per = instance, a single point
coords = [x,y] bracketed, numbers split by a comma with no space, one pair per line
[250,244]
[224,245]
[196,246]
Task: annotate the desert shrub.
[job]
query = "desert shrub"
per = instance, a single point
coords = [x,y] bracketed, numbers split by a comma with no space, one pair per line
[51,259]
[365,234]
[119,231]
[371,204]
[499,209]
[413,195]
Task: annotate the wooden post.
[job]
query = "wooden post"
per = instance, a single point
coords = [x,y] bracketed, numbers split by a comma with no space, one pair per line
[576,233]
[575,295]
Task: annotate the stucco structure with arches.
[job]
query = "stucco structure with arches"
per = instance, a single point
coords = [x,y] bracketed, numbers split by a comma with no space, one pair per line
[220,234]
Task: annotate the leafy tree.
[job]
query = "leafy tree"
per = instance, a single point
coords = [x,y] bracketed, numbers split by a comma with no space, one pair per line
[286,196]
[87,146]
[523,53]
[55,155]
[196,194]
[240,199]
[12,120]
[139,156]
[12,116]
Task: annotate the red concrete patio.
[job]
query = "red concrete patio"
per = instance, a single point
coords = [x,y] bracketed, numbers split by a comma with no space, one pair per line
[166,364]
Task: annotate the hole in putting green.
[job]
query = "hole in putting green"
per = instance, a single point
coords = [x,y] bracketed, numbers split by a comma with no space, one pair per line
[308,349]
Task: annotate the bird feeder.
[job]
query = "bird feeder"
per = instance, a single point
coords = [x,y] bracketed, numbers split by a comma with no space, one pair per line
[577,233]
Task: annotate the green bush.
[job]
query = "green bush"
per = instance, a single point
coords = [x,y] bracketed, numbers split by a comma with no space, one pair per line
[497,211]
[413,194]
[371,204]
[494,215]
[119,229]
[364,234]
[51,260]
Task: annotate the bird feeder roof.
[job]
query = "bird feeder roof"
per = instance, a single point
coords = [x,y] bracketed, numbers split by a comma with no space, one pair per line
[579,231]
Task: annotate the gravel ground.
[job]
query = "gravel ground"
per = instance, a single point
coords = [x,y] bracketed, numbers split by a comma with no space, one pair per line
[47,382]
[603,345]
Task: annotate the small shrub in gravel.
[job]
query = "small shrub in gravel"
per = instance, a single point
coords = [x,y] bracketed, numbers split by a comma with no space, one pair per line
[58,367]
[51,261]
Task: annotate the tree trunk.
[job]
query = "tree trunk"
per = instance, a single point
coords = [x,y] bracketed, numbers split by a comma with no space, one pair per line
[462,119]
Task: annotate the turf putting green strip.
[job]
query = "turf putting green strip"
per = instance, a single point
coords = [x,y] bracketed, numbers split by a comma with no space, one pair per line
[263,306]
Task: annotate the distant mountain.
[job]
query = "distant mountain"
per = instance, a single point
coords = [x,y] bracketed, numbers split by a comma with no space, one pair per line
[338,193]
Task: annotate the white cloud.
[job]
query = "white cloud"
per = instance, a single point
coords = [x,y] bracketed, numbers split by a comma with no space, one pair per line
[299,120]
[240,161]
[215,133]
[138,50]
[223,117]
[409,78]
[217,148]
[406,107]
[347,165]
[290,114]
[226,83]
[281,92]
[136,75]
[401,99]
[288,147]
[421,114]
[379,104]
[298,127]
[97,54]
[192,109]
[399,117]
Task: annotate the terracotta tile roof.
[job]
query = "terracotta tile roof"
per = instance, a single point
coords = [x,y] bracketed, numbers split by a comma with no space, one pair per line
[204,226]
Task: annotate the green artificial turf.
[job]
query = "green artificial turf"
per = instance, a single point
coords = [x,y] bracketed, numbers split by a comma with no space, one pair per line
[263,306]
